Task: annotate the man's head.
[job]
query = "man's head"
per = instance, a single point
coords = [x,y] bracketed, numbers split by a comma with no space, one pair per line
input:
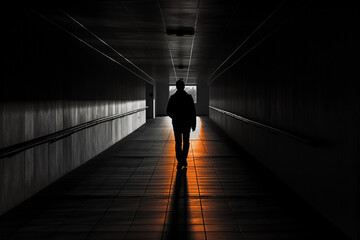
[180,85]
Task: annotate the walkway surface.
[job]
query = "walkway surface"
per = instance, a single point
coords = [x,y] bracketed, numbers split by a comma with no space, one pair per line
[133,190]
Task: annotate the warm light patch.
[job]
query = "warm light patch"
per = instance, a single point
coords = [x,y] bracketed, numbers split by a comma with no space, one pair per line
[196,134]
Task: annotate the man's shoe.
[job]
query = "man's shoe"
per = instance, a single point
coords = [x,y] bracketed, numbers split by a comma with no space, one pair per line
[179,166]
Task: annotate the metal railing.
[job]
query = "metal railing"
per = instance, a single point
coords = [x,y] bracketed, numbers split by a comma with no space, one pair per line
[264,126]
[56,136]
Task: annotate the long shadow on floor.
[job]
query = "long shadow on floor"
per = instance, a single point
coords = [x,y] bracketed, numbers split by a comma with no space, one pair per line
[177,223]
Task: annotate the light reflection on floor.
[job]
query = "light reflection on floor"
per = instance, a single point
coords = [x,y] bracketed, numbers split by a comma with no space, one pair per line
[192,213]
[134,191]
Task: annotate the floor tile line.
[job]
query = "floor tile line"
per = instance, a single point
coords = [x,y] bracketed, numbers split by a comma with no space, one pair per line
[169,198]
[210,159]
[107,210]
[197,181]
[222,186]
[170,187]
[142,198]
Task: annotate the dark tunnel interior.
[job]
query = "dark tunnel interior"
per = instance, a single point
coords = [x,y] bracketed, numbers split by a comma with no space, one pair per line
[84,92]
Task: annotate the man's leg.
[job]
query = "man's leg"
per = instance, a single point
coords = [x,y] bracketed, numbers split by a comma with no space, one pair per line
[186,143]
[178,143]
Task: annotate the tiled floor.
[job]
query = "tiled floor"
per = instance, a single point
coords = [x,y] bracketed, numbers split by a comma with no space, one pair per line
[134,191]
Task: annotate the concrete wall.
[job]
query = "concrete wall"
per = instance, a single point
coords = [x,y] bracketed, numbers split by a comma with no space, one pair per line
[302,79]
[162,98]
[150,101]
[51,81]
[202,105]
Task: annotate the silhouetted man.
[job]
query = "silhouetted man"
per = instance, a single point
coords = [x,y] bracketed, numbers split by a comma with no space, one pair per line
[181,109]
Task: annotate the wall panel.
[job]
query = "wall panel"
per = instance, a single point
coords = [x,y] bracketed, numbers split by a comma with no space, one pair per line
[13,188]
[3,207]
[29,164]
[52,82]
[302,80]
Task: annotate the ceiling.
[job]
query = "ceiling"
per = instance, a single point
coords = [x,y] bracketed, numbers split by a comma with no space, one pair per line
[143,35]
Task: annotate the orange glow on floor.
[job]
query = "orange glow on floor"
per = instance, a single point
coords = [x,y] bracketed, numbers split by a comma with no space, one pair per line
[185,215]
[134,191]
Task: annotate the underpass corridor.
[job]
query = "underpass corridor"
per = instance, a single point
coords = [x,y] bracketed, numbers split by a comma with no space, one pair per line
[133,190]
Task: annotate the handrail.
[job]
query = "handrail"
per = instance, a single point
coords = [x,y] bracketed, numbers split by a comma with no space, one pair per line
[261,125]
[56,136]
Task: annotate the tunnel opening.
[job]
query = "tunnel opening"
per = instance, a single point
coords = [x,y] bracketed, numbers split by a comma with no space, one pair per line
[190,89]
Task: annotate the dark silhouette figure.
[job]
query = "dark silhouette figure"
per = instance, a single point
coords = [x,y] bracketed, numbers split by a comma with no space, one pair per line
[181,109]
